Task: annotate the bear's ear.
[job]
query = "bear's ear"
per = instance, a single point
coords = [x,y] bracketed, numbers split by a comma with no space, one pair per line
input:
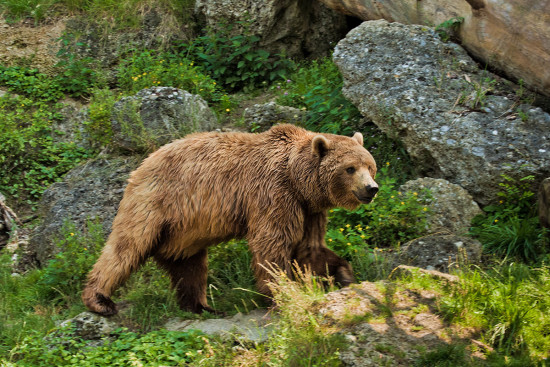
[320,145]
[359,137]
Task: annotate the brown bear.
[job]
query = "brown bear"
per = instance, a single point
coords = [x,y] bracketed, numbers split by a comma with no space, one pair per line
[273,189]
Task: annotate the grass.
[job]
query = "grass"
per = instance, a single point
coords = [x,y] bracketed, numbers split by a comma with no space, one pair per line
[118,14]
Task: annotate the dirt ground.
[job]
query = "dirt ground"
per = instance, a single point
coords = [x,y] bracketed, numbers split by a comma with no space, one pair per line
[25,44]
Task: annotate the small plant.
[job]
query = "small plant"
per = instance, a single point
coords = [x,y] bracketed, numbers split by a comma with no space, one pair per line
[30,83]
[475,97]
[125,348]
[146,69]
[448,28]
[100,111]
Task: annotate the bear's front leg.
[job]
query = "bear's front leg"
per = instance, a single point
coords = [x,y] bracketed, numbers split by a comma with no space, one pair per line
[324,262]
[312,252]
[269,256]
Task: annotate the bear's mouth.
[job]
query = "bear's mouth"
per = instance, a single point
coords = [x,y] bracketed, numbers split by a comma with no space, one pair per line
[365,199]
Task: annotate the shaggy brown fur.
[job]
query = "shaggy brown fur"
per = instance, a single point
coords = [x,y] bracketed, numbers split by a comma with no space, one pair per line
[272,188]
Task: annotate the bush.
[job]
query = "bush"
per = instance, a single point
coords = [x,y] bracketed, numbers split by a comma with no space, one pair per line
[236,61]
[316,86]
[146,69]
[30,156]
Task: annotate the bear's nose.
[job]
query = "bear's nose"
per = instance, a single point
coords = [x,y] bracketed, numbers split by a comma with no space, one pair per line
[371,190]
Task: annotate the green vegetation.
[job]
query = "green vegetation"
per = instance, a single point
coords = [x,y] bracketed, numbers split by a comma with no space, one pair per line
[511,227]
[233,57]
[32,154]
[449,28]
[115,14]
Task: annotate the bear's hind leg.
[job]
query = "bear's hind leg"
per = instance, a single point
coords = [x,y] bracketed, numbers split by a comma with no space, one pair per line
[189,278]
[121,256]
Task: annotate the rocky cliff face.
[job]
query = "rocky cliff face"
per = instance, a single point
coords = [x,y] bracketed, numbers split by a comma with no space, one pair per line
[297,28]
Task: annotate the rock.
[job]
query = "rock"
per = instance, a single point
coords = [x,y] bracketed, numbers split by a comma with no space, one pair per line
[432,97]
[297,28]
[91,190]
[251,327]
[260,117]
[544,203]
[450,206]
[407,270]
[509,35]
[158,115]
[70,128]
[441,252]
[90,326]
[385,325]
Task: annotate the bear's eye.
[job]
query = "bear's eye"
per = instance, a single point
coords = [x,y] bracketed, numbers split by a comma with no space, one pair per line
[350,170]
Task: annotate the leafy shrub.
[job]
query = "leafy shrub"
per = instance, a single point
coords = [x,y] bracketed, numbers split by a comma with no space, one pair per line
[30,83]
[391,219]
[30,156]
[317,87]
[76,75]
[236,61]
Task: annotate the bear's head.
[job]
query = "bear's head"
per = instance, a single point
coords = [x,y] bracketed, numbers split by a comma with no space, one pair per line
[346,169]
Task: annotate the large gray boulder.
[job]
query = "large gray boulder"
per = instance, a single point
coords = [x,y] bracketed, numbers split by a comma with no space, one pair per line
[90,191]
[255,326]
[450,207]
[440,251]
[454,119]
[158,115]
[296,27]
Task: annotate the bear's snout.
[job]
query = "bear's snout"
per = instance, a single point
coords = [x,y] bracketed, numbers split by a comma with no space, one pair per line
[366,194]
